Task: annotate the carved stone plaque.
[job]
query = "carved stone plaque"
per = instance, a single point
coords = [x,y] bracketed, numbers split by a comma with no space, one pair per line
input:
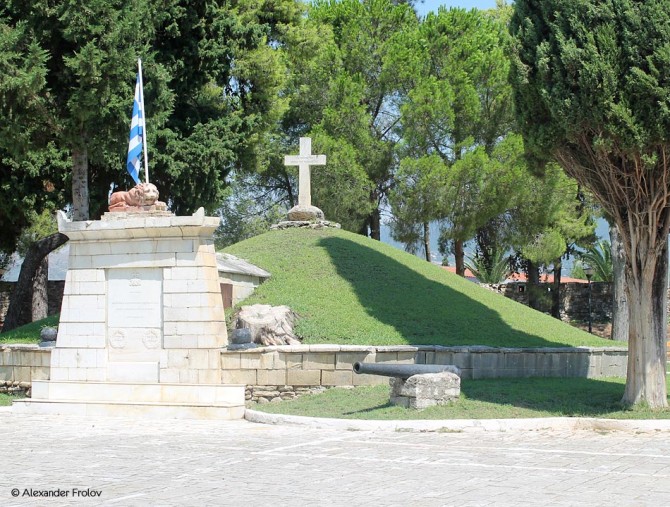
[135,298]
[134,322]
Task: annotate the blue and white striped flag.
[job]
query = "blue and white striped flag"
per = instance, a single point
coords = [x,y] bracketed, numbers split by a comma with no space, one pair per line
[136,135]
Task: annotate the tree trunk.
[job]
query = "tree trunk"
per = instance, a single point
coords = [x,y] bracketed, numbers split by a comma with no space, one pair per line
[619,298]
[375,225]
[533,275]
[37,251]
[40,306]
[80,209]
[459,253]
[647,299]
[426,240]
[556,290]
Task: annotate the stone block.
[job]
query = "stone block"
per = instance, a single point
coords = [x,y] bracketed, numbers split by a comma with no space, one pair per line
[337,378]
[250,361]
[39,373]
[6,356]
[188,376]
[231,361]
[186,273]
[88,275]
[154,260]
[319,361]
[426,390]
[209,376]
[96,374]
[6,372]
[271,377]
[58,374]
[368,380]
[178,358]
[214,359]
[406,357]
[96,342]
[45,358]
[386,357]
[346,360]
[247,377]
[303,377]
[288,360]
[208,341]
[83,288]
[183,301]
[131,372]
[168,375]
[198,359]
[460,359]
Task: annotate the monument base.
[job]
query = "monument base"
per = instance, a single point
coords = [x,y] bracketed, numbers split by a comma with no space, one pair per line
[304,224]
[136,400]
[304,213]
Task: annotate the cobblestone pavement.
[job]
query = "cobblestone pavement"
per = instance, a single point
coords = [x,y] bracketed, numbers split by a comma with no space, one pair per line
[240,463]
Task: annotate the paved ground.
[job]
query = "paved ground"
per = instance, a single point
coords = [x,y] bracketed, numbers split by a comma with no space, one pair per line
[240,463]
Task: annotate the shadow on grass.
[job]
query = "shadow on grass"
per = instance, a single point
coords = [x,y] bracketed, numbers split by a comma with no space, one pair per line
[423,311]
[570,397]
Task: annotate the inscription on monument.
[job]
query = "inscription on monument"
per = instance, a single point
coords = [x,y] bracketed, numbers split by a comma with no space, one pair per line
[135,298]
[135,316]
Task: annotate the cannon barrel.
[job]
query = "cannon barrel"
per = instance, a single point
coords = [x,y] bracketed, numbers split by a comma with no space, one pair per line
[403,370]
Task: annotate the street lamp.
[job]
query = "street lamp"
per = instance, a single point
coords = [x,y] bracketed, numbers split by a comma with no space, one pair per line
[588,271]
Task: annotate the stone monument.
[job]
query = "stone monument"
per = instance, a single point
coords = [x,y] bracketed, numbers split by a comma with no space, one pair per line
[304,214]
[142,323]
[304,211]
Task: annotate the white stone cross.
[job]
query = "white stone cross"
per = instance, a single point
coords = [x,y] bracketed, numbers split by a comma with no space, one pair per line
[304,161]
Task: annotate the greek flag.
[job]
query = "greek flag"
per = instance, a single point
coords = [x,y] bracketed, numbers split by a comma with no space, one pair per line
[136,134]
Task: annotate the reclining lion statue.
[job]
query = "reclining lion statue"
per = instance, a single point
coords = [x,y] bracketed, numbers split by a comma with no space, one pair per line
[143,197]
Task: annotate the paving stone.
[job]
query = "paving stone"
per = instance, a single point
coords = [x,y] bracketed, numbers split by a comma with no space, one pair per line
[181,462]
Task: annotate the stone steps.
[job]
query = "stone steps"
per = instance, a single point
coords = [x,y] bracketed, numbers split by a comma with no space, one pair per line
[140,400]
[212,394]
[133,410]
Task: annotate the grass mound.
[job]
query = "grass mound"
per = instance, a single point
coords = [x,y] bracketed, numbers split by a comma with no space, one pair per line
[480,399]
[349,289]
[30,333]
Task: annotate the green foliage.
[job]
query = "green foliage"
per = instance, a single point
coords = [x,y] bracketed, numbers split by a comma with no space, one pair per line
[245,212]
[30,333]
[6,399]
[480,399]
[594,68]
[599,257]
[360,112]
[212,77]
[496,272]
[349,289]
[41,226]
[418,187]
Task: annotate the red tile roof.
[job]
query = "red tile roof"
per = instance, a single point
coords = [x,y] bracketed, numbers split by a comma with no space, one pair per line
[521,277]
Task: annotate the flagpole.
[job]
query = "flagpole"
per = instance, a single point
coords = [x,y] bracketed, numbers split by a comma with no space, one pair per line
[144,122]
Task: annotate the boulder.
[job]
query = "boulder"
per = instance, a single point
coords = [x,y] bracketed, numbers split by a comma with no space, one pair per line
[302,213]
[268,325]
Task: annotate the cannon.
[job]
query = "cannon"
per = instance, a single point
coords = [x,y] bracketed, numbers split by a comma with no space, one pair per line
[403,371]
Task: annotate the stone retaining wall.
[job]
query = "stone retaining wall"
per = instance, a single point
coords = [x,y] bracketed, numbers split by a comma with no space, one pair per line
[20,365]
[283,372]
[275,373]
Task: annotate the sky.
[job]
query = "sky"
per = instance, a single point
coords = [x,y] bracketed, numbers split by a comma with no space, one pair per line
[431,5]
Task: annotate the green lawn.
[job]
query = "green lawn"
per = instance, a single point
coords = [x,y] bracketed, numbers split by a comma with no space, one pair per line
[480,399]
[6,400]
[349,289]
[30,333]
